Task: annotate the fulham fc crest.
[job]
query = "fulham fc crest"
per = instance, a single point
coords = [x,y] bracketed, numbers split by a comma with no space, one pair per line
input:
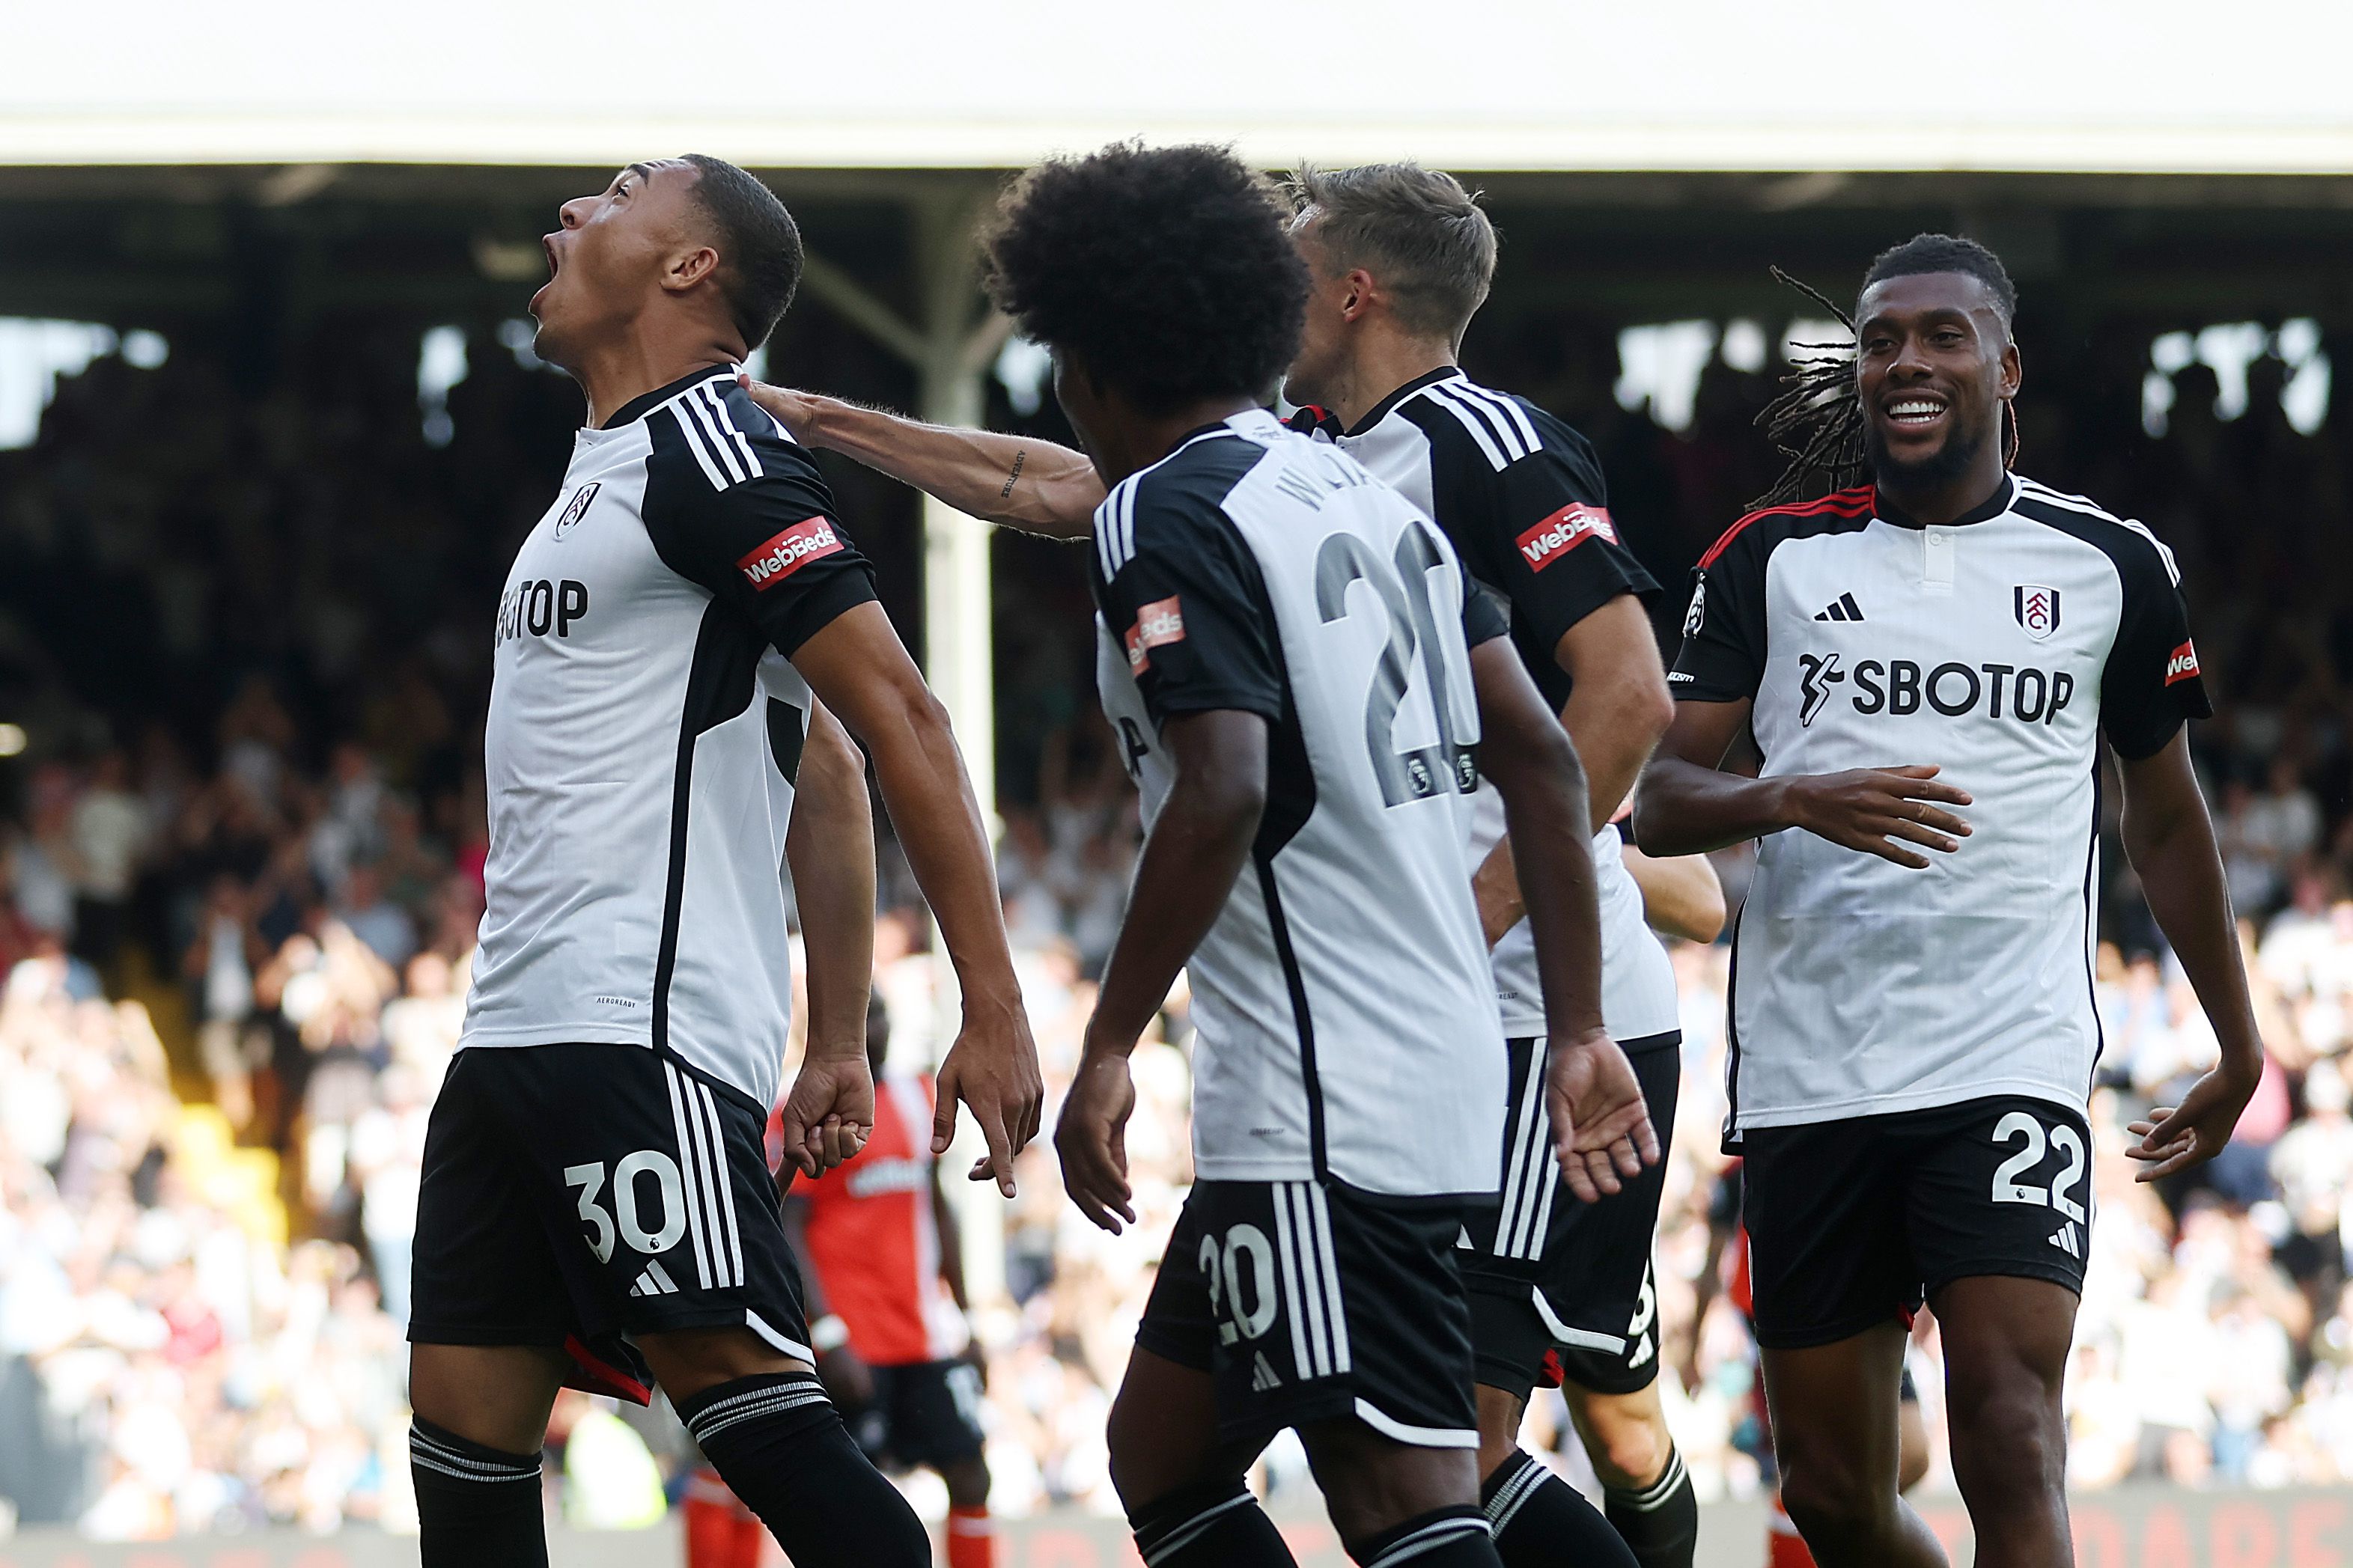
[2037,609]
[578,509]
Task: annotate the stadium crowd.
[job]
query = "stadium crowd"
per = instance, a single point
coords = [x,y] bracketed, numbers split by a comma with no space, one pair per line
[241,868]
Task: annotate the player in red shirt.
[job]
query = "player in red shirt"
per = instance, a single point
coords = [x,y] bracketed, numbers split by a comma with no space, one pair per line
[882,1276]
[883,1270]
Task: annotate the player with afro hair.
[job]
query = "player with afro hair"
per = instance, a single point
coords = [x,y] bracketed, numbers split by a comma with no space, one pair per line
[1164,275]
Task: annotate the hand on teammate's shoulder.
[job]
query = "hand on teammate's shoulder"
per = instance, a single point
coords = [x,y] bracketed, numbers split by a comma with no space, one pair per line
[797,411]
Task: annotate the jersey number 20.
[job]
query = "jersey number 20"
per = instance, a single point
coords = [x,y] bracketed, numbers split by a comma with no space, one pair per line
[1403,589]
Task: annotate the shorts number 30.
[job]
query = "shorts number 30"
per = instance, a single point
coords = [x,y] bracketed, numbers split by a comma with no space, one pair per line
[651,1241]
[2031,1136]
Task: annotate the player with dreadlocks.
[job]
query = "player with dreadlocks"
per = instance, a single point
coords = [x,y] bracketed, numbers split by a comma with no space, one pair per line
[1912,1033]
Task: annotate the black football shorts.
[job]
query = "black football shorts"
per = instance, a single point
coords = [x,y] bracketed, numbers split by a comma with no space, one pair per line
[574,1194]
[1307,1301]
[1561,1289]
[1854,1221]
[923,1413]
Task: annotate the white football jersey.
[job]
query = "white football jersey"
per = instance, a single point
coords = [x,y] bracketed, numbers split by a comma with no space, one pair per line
[1998,648]
[1521,498]
[1348,1029]
[643,735]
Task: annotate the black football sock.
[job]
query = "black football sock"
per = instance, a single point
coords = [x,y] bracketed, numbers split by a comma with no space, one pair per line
[777,1444]
[1442,1537]
[1217,1524]
[1542,1521]
[476,1506]
[1660,1521]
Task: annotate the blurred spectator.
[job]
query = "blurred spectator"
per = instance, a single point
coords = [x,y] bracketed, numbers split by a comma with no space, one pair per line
[279,880]
[385,928]
[109,830]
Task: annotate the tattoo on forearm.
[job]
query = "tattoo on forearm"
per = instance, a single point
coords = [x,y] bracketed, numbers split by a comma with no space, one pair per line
[1018,458]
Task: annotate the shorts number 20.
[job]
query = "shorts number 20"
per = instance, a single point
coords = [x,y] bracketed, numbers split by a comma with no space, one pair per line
[1247,1251]
[2029,1135]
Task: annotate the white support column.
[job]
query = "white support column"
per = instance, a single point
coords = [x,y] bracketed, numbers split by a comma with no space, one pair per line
[950,349]
[959,654]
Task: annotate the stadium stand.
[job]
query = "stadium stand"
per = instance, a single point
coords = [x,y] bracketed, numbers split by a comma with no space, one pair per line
[241,862]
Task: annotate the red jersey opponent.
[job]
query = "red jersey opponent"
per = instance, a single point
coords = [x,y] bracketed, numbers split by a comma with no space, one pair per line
[882,1278]
[871,1231]
[883,1270]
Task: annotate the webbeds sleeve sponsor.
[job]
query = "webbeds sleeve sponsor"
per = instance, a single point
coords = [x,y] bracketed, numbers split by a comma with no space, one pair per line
[2181,665]
[1563,532]
[806,540]
[1158,625]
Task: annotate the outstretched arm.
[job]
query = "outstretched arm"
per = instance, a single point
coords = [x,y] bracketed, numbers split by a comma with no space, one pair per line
[1013,480]
[857,668]
[2172,842]
[1688,805]
[830,847]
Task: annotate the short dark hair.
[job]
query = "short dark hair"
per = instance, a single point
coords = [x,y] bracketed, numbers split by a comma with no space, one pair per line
[1419,230]
[759,246]
[1165,271]
[1947,253]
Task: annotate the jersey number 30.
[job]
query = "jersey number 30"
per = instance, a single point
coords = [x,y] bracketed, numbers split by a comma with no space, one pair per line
[1405,773]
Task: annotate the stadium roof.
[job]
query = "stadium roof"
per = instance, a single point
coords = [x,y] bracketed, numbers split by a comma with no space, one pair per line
[2004,86]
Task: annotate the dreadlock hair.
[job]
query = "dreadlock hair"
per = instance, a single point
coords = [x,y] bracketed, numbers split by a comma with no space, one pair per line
[1818,422]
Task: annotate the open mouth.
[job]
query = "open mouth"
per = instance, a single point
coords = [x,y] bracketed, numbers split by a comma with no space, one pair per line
[1914,411]
[555,261]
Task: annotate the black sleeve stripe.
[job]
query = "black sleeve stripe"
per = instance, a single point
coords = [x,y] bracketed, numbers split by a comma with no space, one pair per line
[1499,446]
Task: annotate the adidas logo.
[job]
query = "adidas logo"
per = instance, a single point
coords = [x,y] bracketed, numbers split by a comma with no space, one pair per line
[1842,608]
[2064,1239]
[1262,1374]
[654,1281]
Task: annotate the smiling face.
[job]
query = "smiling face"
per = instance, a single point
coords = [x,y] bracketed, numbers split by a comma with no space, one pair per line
[607,261]
[1934,365]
